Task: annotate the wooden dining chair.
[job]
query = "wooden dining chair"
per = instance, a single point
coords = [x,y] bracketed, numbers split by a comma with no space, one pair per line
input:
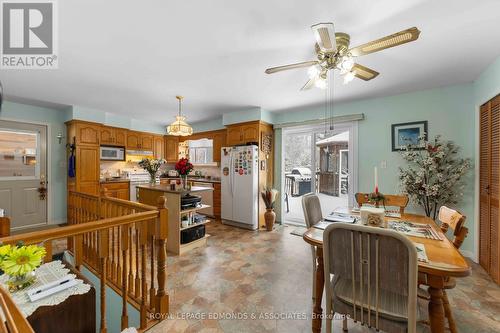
[450,220]
[311,207]
[370,276]
[390,200]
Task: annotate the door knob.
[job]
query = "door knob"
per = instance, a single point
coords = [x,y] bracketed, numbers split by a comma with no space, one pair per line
[42,190]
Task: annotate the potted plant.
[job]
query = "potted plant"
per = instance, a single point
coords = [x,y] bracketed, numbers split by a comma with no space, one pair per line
[269,197]
[434,174]
[152,165]
[19,263]
[184,167]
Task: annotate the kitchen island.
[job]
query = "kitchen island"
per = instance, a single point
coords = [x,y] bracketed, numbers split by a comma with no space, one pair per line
[149,194]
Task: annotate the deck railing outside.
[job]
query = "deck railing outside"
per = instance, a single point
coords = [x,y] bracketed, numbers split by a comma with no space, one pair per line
[119,241]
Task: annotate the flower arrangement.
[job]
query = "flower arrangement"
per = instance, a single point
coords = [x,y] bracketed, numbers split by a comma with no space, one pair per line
[269,197]
[183,166]
[152,165]
[19,262]
[434,174]
[375,197]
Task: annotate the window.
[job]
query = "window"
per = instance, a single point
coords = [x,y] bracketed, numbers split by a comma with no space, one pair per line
[19,154]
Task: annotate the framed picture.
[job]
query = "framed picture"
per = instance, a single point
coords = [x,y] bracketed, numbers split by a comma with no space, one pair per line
[407,134]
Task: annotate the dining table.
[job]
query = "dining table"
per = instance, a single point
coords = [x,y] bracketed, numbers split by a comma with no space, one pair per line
[444,261]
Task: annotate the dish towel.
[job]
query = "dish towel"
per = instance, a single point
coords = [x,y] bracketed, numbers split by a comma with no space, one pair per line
[71,166]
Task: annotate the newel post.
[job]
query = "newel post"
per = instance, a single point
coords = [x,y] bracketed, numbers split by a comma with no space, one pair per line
[161,240]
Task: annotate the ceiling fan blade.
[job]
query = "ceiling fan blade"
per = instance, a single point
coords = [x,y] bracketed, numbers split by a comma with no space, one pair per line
[325,36]
[364,73]
[309,84]
[291,66]
[402,37]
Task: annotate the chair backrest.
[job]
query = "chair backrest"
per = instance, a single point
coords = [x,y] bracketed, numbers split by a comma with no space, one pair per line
[312,209]
[373,260]
[454,220]
[390,200]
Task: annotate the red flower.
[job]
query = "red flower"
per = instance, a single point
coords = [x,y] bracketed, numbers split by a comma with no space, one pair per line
[183,166]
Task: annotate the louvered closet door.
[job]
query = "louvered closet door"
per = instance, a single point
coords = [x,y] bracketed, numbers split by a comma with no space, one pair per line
[494,188]
[484,186]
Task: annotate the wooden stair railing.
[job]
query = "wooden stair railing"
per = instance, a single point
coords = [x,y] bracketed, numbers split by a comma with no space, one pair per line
[13,320]
[113,238]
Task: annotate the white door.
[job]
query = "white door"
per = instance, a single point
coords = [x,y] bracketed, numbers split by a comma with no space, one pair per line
[226,183]
[23,164]
[245,180]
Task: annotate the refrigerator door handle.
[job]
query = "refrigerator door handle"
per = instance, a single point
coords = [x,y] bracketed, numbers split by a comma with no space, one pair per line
[231,170]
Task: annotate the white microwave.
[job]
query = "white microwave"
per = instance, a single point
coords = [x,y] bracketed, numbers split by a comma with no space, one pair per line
[112,153]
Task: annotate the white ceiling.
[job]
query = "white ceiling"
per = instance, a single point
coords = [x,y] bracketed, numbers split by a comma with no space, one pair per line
[133,57]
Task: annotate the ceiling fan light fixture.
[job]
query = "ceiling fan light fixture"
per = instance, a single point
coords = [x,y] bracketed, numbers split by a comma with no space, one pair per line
[314,71]
[179,127]
[320,83]
[346,64]
[348,77]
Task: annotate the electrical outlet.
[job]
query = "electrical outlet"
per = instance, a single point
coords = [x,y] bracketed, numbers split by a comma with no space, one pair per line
[383,164]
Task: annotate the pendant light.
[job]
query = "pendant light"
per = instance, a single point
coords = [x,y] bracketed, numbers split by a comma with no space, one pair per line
[179,127]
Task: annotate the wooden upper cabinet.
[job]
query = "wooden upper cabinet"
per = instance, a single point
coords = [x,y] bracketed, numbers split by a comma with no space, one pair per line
[138,140]
[106,135]
[113,136]
[243,133]
[234,135]
[120,137]
[171,148]
[146,141]
[87,166]
[250,133]
[133,140]
[87,133]
[219,141]
[159,147]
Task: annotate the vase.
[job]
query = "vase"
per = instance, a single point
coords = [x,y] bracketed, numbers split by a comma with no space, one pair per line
[270,218]
[152,178]
[19,282]
[184,182]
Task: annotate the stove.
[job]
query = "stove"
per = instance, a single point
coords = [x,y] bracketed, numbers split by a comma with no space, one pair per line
[136,177]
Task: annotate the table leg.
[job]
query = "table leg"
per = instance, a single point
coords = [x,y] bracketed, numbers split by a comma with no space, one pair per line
[436,310]
[320,284]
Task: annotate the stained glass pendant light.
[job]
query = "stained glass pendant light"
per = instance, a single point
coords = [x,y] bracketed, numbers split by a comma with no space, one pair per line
[179,127]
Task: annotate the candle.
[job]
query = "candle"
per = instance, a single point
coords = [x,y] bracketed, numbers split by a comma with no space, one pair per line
[376,179]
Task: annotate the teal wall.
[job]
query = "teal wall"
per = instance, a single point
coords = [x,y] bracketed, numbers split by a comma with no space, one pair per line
[56,176]
[448,111]
[487,85]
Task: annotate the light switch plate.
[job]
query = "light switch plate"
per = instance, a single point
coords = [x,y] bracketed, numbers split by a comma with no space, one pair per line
[383,164]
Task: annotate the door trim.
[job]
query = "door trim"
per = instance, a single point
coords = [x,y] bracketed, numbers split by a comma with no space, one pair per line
[50,182]
[352,126]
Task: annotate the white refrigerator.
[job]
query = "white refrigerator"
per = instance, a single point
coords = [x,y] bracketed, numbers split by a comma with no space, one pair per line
[240,186]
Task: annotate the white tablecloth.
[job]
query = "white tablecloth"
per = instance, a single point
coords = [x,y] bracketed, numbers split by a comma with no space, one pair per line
[46,273]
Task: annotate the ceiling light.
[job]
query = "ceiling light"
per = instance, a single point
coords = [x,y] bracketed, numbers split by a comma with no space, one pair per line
[348,77]
[179,127]
[314,71]
[346,64]
[320,83]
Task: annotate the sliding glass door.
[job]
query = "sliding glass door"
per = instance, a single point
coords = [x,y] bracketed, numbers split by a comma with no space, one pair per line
[317,161]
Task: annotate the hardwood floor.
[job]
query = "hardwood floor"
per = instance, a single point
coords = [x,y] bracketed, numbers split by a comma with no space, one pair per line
[243,272]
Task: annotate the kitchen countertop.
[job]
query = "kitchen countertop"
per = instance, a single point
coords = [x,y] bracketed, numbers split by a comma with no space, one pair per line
[196,179]
[166,188]
[114,180]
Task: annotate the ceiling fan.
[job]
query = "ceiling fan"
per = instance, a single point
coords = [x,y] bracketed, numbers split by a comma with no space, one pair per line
[333,53]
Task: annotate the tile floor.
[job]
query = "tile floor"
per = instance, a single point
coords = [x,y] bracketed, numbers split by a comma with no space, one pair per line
[243,273]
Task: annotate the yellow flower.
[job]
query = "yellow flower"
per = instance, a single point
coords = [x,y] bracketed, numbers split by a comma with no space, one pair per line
[22,260]
[4,250]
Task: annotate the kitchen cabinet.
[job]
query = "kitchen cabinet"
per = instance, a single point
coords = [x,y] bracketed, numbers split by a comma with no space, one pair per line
[171,148]
[219,138]
[87,169]
[139,141]
[217,200]
[159,147]
[86,136]
[119,190]
[243,133]
[86,133]
[113,136]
